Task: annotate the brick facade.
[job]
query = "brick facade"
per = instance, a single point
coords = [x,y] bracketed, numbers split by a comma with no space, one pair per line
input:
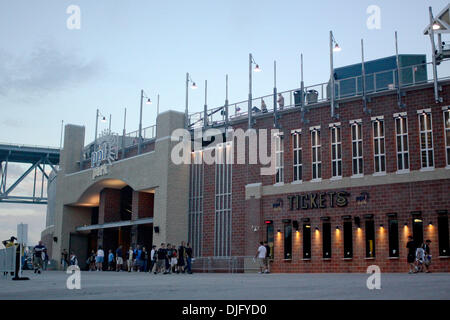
[427,196]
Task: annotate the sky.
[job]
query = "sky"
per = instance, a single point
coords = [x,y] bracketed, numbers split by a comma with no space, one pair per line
[50,73]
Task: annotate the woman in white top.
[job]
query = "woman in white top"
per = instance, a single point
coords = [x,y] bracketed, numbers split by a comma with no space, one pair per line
[130,259]
[99,259]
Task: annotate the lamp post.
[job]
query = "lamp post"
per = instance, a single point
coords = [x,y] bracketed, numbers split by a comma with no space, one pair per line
[334,47]
[186,111]
[275,112]
[226,102]
[149,101]
[251,61]
[205,107]
[434,26]
[98,114]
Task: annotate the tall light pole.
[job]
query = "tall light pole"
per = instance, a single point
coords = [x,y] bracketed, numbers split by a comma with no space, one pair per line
[251,61]
[186,111]
[96,127]
[205,107]
[433,26]
[149,101]
[334,47]
[363,77]
[226,102]
[275,112]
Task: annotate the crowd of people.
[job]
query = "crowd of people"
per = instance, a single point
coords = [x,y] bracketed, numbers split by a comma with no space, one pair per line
[419,256]
[165,259]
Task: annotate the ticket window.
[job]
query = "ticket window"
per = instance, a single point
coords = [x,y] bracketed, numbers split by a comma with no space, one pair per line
[418,230]
[326,240]
[370,239]
[393,238]
[348,239]
[270,237]
[443,236]
[287,241]
[307,241]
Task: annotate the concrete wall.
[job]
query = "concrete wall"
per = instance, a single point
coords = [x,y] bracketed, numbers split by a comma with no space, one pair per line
[152,170]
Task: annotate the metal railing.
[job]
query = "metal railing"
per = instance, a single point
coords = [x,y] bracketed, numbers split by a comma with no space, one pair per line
[233,264]
[345,88]
[147,133]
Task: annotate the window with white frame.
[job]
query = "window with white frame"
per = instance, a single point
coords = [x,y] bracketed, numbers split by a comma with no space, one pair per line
[279,158]
[297,155]
[223,198]
[336,151]
[378,146]
[447,134]
[196,188]
[426,140]
[401,134]
[357,154]
[316,154]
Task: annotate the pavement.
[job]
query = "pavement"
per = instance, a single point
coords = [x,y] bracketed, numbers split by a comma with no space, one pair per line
[51,285]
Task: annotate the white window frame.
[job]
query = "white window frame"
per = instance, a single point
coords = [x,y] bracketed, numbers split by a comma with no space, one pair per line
[379,140]
[279,158]
[446,110]
[336,146]
[404,150]
[428,132]
[316,149]
[223,203]
[356,140]
[297,167]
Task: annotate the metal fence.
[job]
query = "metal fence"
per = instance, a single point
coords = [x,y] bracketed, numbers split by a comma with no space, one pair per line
[8,260]
[234,264]
[344,88]
[147,133]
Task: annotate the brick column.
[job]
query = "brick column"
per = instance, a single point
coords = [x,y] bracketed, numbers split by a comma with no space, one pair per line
[109,210]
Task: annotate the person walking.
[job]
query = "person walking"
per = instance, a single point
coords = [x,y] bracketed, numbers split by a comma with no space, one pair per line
[420,255]
[110,260]
[153,258]
[144,256]
[426,248]
[411,258]
[130,259]
[181,257]
[119,259]
[261,255]
[168,257]
[100,258]
[39,256]
[73,259]
[174,261]
[64,259]
[91,261]
[162,255]
[189,256]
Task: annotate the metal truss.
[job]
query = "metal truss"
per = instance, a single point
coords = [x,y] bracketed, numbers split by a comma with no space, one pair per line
[37,163]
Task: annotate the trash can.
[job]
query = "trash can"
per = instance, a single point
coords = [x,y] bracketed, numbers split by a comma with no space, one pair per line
[312,96]
[298,98]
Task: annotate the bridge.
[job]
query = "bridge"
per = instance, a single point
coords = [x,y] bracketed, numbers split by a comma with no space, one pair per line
[38,158]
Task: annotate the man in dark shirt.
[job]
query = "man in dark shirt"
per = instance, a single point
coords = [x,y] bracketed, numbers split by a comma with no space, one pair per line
[168,256]
[411,246]
[39,256]
[162,255]
[188,258]
[181,255]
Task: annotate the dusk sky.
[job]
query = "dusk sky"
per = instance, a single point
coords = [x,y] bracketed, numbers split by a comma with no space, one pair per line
[49,73]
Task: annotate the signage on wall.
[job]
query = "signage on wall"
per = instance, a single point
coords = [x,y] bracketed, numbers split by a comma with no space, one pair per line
[363,198]
[320,200]
[278,205]
[107,152]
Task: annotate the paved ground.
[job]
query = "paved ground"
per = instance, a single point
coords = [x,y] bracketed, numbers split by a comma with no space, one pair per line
[112,285]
